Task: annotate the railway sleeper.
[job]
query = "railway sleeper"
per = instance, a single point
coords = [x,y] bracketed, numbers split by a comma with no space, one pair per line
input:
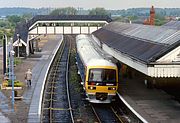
[48,100]
[54,93]
[52,82]
[52,87]
[57,109]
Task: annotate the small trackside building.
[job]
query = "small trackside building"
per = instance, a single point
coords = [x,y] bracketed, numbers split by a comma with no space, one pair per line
[151,50]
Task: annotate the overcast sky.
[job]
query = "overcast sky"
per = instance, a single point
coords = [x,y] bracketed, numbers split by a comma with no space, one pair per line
[108,4]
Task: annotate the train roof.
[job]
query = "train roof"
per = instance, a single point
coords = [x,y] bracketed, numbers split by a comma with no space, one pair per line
[88,54]
[100,62]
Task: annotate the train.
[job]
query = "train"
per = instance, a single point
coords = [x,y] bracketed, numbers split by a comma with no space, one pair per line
[99,74]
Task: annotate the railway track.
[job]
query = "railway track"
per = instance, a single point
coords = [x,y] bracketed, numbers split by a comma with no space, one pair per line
[105,113]
[127,113]
[116,112]
[56,101]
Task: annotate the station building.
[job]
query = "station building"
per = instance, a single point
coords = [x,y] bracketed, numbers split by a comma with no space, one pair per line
[151,50]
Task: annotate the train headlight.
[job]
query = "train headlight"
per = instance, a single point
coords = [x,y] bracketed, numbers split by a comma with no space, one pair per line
[91,88]
[111,88]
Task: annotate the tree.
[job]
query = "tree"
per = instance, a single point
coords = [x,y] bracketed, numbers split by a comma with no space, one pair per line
[132,17]
[64,11]
[27,16]
[58,12]
[159,20]
[14,19]
[71,11]
[4,24]
[98,11]
[1,36]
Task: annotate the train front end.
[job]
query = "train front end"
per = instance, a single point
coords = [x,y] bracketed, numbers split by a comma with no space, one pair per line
[101,83]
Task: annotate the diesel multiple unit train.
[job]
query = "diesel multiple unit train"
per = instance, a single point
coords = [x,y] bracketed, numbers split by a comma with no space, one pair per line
[99,75]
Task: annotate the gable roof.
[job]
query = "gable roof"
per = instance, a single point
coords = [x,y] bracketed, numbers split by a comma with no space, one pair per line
[173,24]
[140,42]
[22,30]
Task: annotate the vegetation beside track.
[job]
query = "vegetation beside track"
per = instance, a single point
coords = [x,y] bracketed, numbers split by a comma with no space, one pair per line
[81,109]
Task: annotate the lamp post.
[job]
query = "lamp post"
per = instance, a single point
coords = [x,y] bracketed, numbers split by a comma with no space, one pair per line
[4,54]
[10,47]
[18,36]
[12,76]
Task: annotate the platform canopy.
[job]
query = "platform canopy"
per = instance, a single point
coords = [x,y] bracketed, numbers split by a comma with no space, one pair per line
[152,50]
[173,24]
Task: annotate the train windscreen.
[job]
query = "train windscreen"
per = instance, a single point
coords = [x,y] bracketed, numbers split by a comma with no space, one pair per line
[99,75]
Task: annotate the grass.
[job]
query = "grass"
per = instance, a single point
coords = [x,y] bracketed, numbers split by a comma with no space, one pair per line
[74,78]
[17,61]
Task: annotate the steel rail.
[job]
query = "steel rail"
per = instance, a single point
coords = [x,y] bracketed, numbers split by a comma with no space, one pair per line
[67,84]
[96,114]
[112,111]
[118,117]
[53,82]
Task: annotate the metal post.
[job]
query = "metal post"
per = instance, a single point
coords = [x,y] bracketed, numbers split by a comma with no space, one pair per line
[9,57]
[12,76]
[88,28]
[9,66]
[54,28]
[37,29]
[18,46]
[4,54]
[18,43]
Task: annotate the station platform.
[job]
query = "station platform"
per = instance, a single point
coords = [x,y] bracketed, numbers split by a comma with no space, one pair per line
[154,105]
[3,99]
[3,107]
[4,119]
[34,94]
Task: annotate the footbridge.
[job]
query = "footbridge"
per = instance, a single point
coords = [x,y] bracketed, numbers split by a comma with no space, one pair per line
[26,32]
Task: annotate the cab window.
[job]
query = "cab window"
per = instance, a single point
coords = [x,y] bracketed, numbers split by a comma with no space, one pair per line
[102,75]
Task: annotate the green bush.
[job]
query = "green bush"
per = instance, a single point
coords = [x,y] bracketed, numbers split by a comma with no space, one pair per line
[17,61]
[17,83]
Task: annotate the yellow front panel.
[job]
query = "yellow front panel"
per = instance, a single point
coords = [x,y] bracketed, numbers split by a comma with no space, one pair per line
[101,88]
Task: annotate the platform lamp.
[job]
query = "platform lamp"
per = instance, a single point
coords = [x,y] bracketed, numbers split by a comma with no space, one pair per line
[18,36]
[12,76]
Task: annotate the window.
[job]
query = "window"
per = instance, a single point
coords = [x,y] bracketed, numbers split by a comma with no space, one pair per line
[102,75]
